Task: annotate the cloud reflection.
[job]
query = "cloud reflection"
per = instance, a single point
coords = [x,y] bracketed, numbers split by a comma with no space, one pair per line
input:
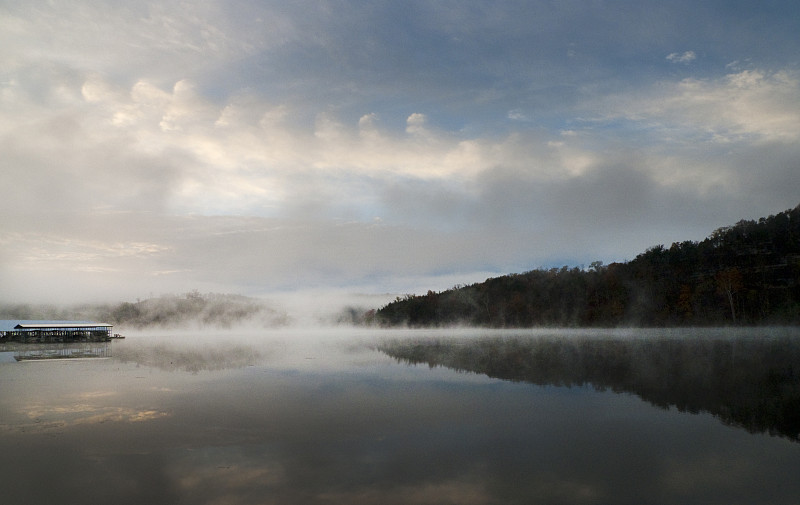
[170,357]
[52,417]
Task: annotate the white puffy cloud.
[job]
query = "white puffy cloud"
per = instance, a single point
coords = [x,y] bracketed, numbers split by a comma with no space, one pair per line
[416,123]
[750,105]
[685,57]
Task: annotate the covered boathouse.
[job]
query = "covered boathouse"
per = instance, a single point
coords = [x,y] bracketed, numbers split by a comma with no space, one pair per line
[21,330]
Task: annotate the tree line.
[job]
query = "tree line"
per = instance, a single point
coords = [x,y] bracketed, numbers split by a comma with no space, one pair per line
[748,273]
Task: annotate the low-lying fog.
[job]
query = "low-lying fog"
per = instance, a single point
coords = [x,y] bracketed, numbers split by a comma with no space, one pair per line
[212,311]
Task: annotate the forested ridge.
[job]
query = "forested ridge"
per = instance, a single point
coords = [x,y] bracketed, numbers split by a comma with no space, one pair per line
[748,273]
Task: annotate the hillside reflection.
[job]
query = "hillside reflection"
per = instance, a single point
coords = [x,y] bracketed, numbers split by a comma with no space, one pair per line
[748,382]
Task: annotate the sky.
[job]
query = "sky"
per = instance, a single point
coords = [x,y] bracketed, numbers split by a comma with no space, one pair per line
[272,147]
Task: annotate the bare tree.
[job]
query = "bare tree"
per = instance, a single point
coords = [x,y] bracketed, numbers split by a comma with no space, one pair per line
[729,281]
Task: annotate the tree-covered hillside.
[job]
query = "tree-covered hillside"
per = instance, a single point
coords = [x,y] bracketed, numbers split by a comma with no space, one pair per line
[748,273]
[189,310]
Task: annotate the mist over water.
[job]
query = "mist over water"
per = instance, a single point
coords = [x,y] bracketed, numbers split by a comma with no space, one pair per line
[203,312]
[407,417]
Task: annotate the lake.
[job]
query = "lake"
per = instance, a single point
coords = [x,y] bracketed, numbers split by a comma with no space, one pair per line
[405,417]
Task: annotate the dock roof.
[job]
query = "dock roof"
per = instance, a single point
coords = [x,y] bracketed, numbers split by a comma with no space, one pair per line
[13,324]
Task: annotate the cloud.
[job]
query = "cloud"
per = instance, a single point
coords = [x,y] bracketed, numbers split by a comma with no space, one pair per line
[416,124]
[274,145]
[241,196]
[686,57]
[176,148]
[156,40]
[747,106]
[517,115]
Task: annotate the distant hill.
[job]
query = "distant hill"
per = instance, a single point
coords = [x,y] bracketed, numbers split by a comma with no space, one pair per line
[188,310]
[748,273]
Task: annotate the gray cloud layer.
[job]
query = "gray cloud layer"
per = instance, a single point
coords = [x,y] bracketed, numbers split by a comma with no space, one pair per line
[169,146]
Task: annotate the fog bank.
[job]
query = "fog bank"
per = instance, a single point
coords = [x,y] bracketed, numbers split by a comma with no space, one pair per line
[195,310]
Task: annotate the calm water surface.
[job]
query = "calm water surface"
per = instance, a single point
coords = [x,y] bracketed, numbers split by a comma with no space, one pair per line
[413,417]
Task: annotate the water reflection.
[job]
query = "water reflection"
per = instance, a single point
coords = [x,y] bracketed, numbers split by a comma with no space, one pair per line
[178,357]
[313,421]
[55,351]
[748,381]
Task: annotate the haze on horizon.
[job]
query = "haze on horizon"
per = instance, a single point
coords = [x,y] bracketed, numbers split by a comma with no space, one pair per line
[263,147]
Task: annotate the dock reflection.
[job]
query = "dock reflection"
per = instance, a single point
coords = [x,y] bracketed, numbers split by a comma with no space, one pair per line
[57,351]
